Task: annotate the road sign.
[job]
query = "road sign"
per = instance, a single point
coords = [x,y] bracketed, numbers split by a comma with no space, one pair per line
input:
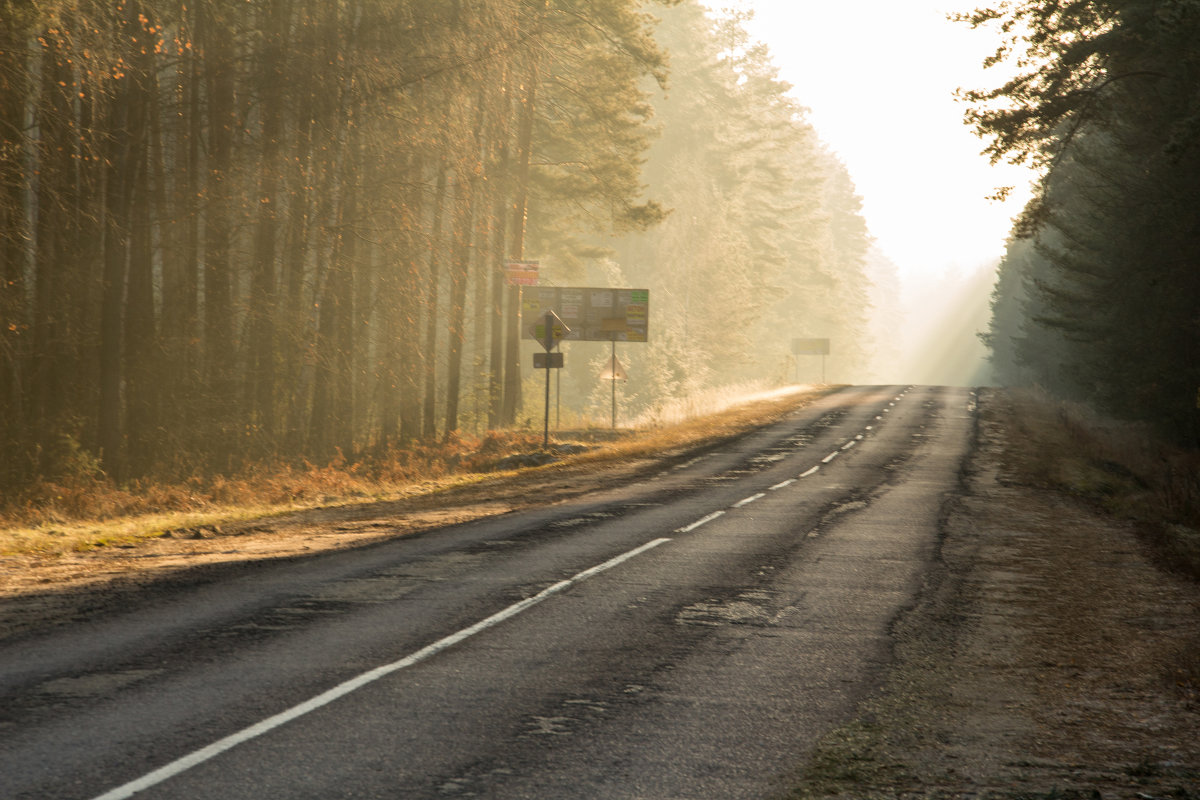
[810,347]
[547,360]
[550,330]
[591,314]
[614,371]
[522,273]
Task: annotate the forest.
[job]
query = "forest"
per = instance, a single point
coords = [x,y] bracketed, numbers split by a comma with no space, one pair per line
[232,232]
[1096,298]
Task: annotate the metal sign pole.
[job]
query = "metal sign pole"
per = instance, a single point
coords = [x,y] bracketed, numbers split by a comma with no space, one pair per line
[552,331]
[546,429]
[614,383]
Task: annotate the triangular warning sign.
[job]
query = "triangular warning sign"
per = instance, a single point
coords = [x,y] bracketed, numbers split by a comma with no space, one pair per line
[614,371]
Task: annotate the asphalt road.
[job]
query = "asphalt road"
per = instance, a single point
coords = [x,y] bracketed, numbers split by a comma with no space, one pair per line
[687,637]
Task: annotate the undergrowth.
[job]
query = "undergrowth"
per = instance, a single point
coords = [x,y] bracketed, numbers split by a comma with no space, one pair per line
[1121,466]
[92,496]
[38,517]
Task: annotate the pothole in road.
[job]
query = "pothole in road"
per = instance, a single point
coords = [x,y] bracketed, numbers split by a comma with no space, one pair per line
[830,419]
[586,519]
[549,726]
[437,568]
[366,590]
[846,508]
[748,608]
[94,685]
[575,711]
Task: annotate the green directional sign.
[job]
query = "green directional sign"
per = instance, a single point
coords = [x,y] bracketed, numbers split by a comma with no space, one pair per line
[591,314]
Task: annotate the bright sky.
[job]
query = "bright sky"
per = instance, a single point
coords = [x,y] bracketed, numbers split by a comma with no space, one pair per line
[879,77]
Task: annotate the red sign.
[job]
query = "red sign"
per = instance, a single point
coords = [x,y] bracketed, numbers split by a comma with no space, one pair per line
[522,273]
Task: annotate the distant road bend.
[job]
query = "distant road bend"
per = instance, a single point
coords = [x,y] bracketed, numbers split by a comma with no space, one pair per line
[690,636]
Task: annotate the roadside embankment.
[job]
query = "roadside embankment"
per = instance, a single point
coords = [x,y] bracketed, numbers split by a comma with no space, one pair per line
[1050,656]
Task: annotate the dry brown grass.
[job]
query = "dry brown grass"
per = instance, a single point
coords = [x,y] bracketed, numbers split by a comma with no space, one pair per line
[1120,465]
[92,512]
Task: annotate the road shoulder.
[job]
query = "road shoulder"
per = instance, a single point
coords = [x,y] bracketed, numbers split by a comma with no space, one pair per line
[1047,657]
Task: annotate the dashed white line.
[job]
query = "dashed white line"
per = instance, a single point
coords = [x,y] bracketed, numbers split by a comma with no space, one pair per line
[782,485]
[848,445]
[830,457]
[341,690]
[699,522]
[810,472]
[860,437]
[748,500]
[687,464]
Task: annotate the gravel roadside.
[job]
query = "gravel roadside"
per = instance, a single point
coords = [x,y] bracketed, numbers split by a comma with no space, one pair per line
[1047,658]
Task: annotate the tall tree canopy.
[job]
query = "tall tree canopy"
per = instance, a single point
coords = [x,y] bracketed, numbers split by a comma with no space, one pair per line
[765,240]
[279,227]
[1097,294]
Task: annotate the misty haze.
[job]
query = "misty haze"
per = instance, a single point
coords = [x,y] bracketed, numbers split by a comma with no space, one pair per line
[599,398]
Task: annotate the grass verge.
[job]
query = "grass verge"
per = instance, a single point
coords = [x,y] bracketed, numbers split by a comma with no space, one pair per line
[1119,466]
[56,518]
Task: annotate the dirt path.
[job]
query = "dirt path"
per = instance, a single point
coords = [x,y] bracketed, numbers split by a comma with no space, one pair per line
[1048,658]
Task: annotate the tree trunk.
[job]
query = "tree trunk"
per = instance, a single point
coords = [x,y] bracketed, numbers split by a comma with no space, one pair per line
[433,321]
[297,342]
[261,328]
[459,275]
[218,268]
[479,316]
[53,256]
[119,159]
[142,390]
[495,312]
[409,285]
[512,341]
[181,246]
[14,429]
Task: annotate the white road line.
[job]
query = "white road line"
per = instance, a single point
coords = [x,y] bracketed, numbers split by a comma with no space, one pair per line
[748,500]
[830,457]
[783,484]
[341,690]
[687,464]
[848,445]
[699,522]
[810,472]
[870,427]
[860,437]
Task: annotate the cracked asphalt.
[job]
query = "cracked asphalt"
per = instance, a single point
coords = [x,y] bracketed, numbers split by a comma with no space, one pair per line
[692,635]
